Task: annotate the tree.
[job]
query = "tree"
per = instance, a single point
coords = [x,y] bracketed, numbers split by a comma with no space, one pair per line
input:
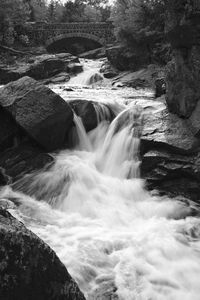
[39,10]
[138,21]
[92,14]
[55,11]
[12,13]
[73,11]
[86,11]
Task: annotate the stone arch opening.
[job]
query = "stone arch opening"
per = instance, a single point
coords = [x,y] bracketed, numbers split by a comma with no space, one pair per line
[74,43]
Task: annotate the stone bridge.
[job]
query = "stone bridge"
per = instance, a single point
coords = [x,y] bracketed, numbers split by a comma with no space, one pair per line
[47,34]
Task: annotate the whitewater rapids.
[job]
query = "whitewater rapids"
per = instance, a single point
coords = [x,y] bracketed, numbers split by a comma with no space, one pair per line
[116,239]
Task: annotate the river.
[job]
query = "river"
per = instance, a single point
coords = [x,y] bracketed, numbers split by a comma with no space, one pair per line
[117,240]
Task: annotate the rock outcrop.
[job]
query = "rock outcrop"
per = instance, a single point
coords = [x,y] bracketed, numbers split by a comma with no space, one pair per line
[144,78]
[29,269]
[108,70]
[40,113]
[124,59]
[170,161]
[164,129]
[23,159]
[183,72]
[41,67]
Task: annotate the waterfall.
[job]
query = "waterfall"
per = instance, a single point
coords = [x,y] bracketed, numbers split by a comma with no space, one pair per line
[116,239]
[83,140]
[102,111]
[89,76]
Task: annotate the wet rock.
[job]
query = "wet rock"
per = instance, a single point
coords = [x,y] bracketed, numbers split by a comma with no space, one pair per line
[170,153]
[183,92]
[85,109]
[144,78]
[59,78]
[160,87]
[108,70]
[68,89]
[183,76]
[105,291]
[29,268]
[172,174]
[41,67]
[124,58]
[74,68]
[91,112]
[4,179]
[8,130]
[97,77]
[7,204]
[24,159]
[41,113]
[164,129]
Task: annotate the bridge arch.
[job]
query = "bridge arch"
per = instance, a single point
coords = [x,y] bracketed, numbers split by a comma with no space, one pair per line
[89,36]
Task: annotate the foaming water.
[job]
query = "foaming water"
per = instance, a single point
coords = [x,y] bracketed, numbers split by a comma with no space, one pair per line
[116,239]
[90,76]
[112,235]
[83,140]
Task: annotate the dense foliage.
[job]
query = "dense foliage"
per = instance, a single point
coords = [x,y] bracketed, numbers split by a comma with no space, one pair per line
[138,21]
[15,13]
[139,24]
[12,13]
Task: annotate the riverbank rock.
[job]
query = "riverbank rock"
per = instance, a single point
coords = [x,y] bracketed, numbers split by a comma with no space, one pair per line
[183,76]
[29,268]
[125,59]
[41,67]
[164,129]
[9,131]
[39,112]
[91,112]
[59,78]
[183,91]
[23,159]
[144,78]
[108,70]
[170,159]
[160,87]
[171,173]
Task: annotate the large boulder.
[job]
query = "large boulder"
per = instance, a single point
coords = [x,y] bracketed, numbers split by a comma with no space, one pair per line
[41,113]
[124,58]
[183,77]
[164,129]
[29,269]
[160,87]
[143,78]
[91,112]
[170,159]
[9,130]
[41,67]
[183,72]
[24,159]
[172,173]
[108,70]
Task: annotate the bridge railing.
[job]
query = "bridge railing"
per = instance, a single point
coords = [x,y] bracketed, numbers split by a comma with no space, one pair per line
[62,26]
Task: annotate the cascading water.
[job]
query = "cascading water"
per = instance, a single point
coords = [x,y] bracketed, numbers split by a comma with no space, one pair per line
[90,76]
[116,239]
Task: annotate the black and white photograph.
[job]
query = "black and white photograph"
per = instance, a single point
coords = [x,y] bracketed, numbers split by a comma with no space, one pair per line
[99,149]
